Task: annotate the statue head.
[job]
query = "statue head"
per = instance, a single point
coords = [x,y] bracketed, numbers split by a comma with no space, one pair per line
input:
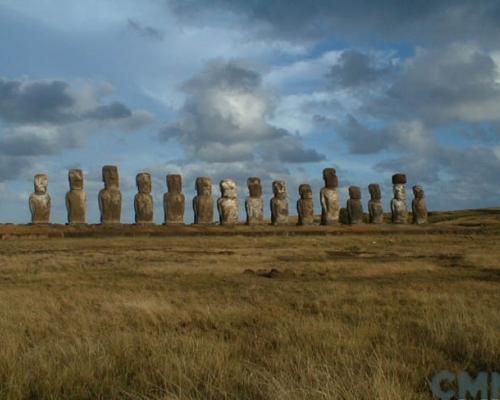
[330,178]
[399,191]
[75,177]
[143,182]
[418,192]
[399,179]
[305,191]
[279,189]
[174,183]
[355,192]
[228,188]
[374,190]
[110,176]
[254,187]
[203,186]
[41,182]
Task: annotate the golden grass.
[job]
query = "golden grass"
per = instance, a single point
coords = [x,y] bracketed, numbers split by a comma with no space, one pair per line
[326,317]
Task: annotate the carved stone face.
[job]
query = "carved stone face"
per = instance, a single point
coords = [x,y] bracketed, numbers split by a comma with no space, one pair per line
[279,189]
[204,186]
[399,192]
[75,177]
[174,183]
[305,191]
[374,189]
[254,187]
[143,181]
[355,192]
[330,178]
[228,188]
[110,176]
[41,183]
[418,192]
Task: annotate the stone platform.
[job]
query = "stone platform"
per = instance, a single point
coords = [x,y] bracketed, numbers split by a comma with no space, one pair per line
[9,231]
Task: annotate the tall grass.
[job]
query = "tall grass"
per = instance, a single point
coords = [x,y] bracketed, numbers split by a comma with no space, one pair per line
[348,317]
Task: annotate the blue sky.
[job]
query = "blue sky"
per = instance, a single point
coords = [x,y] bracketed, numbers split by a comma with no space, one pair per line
[232,89]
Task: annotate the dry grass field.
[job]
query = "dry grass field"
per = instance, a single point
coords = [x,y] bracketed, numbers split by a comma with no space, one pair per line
[350,316]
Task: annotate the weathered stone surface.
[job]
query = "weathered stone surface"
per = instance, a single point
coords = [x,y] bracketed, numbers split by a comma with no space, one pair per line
[399,208]
[174,201]
[227,204]
[39,201]
[419,205]
[305,206]
[375,207]
[330,178]
[329,198]
[203,203]
[279,204]
[399,179]
[143,200]
[76,199]
[110,198]
[343,216]
[254,204]
[354,206]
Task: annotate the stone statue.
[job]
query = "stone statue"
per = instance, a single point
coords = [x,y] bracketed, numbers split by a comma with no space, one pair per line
[375,207]
[143,201]
[173,201]
[305,207]
[279,204]
[227,204]
[419,205]
[329,197]
[40,201]
[254,204]
[203,203]
[398,203]
[354,206]
[110,198]
[76,199]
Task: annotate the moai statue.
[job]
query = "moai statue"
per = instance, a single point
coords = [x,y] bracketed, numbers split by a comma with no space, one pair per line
[40,201]
[143,201]
[305,207]
[329,197]
[375,207]
[76,199]
[227,204]
[279,204]
[354,206]
[398,203]
[203,203]
[173,201]
[110,198]
[419,205]
[254,204]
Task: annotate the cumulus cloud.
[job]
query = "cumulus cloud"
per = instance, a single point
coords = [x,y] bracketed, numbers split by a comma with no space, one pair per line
[457,83]
[452,88]
[355,68]
[36,101]
[57,103]
[41,118]
[225,119]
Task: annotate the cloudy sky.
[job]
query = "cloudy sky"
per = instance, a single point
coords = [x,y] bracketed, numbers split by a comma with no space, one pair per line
[238,88]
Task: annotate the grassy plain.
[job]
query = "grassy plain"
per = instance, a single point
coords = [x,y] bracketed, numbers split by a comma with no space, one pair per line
[351,316]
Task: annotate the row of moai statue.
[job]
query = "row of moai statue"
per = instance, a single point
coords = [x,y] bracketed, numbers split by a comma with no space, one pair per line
[110,201]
